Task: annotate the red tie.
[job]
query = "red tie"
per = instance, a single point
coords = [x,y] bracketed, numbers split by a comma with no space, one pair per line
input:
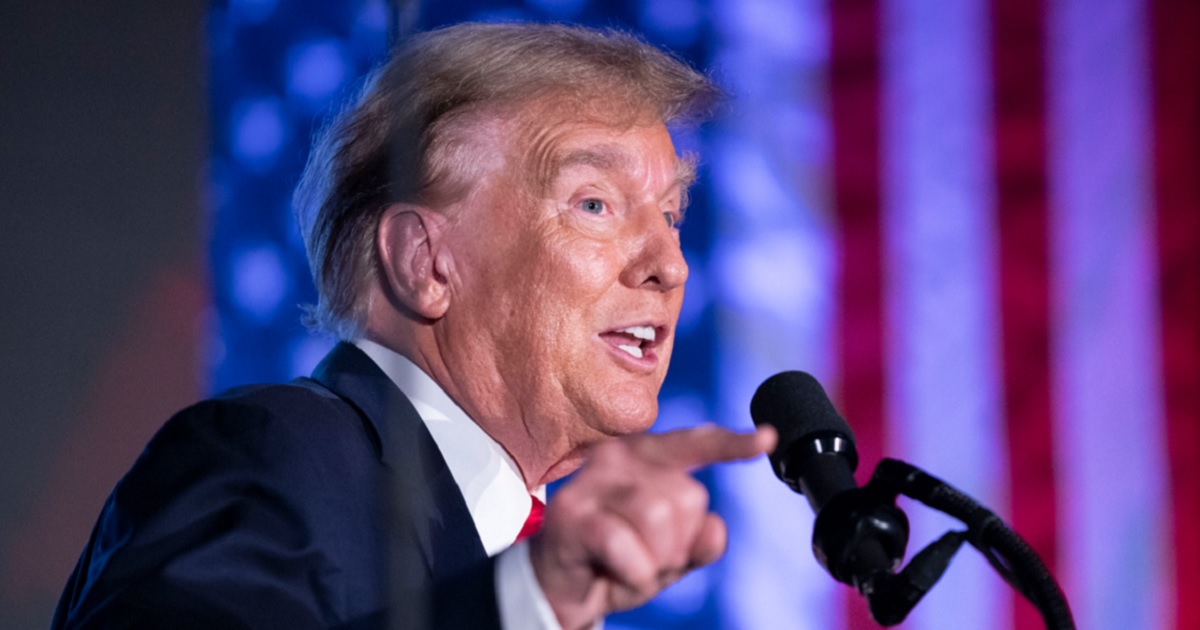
[534,521]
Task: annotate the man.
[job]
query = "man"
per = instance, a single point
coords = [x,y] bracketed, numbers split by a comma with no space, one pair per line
[493,229]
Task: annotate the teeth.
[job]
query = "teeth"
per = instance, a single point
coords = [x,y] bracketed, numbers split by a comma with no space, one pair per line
[633,350]
[641,332]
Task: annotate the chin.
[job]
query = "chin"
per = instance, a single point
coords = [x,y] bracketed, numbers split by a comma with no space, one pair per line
[630,412]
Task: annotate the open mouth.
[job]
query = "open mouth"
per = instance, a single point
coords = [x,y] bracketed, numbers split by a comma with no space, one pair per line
[636,341]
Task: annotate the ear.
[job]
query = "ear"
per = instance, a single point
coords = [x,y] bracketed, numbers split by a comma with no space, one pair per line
[406,244]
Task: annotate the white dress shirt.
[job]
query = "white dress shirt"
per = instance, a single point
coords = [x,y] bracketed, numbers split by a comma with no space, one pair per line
[490,482]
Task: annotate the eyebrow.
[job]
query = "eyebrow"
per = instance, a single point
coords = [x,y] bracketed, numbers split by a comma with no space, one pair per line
[606,158]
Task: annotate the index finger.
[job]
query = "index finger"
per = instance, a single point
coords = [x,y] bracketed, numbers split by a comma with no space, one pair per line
[704,445]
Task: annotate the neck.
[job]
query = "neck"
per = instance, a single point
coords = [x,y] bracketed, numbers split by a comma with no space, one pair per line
[540,455]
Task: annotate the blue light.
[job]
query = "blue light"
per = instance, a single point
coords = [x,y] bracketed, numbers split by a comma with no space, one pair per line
[696,296]
[689,594]
[259,282]
[500,15]
[316,72]
[680,411]
[251,11]
[293,239]
[307,351]
[258,132]
[559,9]
[374,15]
[777,275]
[780,30]
[278,67]
[677,21]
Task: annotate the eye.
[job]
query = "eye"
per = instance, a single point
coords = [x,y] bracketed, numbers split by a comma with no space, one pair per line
[592,206]
[672,219]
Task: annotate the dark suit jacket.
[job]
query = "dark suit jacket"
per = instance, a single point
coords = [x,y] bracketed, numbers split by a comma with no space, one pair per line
[280,506]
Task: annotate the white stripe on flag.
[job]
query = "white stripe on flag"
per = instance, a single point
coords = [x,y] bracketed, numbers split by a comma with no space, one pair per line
[938,214]
[1109,421]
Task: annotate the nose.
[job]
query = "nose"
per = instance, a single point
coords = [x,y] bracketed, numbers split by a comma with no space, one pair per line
[656,260]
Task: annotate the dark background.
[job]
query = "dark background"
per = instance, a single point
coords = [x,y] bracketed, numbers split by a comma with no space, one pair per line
[102,146]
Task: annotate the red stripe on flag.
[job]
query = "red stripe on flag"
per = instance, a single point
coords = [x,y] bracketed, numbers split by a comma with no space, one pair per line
[854,69]
[1018,61]
[1176,41]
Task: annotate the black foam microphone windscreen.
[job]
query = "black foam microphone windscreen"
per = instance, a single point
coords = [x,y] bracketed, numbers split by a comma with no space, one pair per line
[816,454]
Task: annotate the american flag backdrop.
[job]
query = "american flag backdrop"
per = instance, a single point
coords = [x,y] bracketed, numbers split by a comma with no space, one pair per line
[1018,264]
[976,221]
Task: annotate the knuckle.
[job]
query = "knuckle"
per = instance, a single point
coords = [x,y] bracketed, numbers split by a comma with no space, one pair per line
[693,496]
[570,505]
[614,542]
[658,513]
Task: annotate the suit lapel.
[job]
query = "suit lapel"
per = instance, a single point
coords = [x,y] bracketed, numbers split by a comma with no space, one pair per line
[423,490]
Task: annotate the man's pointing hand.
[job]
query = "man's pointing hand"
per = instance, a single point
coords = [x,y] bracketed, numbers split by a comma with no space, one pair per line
[633,521]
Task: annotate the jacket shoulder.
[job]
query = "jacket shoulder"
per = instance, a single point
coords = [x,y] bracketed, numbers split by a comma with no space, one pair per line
[272,420]
[260,505]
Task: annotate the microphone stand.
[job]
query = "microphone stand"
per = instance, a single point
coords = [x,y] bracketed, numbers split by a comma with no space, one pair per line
[860,536]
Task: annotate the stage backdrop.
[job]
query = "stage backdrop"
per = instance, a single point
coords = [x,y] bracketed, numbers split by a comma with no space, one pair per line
[975,221]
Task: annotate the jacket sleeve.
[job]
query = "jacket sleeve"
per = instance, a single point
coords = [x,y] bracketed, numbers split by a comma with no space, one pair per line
[248,516]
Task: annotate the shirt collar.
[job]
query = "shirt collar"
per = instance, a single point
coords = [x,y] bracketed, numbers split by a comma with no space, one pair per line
[489,479]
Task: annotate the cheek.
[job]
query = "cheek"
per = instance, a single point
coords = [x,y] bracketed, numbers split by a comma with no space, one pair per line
[543,302]
[579,272]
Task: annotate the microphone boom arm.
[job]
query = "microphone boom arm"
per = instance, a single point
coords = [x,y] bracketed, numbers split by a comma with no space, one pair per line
[1004,549]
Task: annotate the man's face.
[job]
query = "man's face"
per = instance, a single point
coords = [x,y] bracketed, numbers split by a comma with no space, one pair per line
[565,294]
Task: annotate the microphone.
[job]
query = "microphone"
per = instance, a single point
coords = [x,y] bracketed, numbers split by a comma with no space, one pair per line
[859,535]
[815,455]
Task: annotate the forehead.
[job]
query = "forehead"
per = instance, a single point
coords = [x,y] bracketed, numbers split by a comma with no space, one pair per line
[638,149]
[525,146]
